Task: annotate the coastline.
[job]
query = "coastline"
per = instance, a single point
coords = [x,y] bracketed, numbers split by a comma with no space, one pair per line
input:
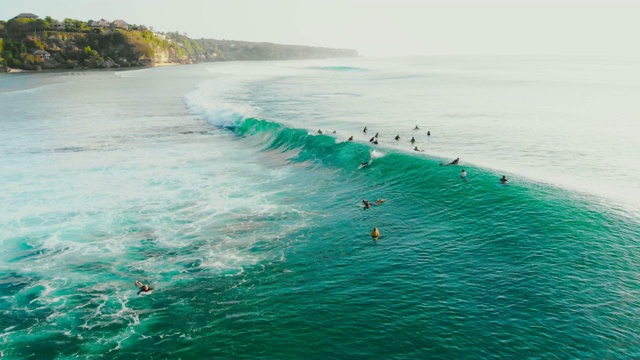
[16,71]
[166,64]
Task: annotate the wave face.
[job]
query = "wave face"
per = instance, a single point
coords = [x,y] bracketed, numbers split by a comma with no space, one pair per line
[251,229]
[454,254]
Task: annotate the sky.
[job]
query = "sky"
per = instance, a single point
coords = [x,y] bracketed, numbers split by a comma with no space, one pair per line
[380,27]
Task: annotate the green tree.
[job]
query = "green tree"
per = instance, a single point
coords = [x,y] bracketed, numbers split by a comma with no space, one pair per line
[41,24]
[75,25]
[90,53]
[34,43]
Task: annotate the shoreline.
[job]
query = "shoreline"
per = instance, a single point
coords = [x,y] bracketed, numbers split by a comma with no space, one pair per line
[167,64]
[115,68]
[17,71]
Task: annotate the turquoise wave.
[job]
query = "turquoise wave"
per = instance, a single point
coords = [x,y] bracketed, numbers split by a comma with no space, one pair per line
[425,186]
[475,263]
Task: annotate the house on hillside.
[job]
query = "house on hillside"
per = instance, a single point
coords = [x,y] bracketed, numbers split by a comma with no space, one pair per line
[120,24]
[42,55]
[102,23]
[26,16]
[57,25]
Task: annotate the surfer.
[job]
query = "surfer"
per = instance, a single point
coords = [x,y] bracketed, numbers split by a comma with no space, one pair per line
[375,234]
[413,140]
[367,163]
[319,131]
[372,139]
[397,137]
[428,133]
[454,162]
[334,131]
[143,287]
[463,174]
[364,130]
[379,201]
[366,203]
[416,149]
[416,128]
[375,142]
[503,180]
[376,136]
[351,138]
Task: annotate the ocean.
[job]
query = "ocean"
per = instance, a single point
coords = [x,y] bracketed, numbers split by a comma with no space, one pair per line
[212,184]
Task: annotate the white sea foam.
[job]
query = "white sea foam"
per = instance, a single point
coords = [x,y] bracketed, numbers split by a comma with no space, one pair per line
[376,154]
[28,91]
[216,101]
[133,73]
[168,201]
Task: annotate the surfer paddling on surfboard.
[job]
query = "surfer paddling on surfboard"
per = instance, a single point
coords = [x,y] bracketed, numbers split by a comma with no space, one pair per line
[366,163]
[454,162]
[143,287]
[367,203]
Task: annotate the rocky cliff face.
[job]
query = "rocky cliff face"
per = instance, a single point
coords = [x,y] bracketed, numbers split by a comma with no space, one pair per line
[169,56]
[121,48]
[161,56]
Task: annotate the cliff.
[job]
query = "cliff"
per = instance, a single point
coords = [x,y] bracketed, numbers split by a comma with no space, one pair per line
[35,44]
[228,50]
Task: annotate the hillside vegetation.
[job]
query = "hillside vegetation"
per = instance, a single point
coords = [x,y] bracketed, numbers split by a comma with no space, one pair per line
[34,44]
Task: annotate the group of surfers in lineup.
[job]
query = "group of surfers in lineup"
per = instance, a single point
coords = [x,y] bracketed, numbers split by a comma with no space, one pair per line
[374,140]
[375,233]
